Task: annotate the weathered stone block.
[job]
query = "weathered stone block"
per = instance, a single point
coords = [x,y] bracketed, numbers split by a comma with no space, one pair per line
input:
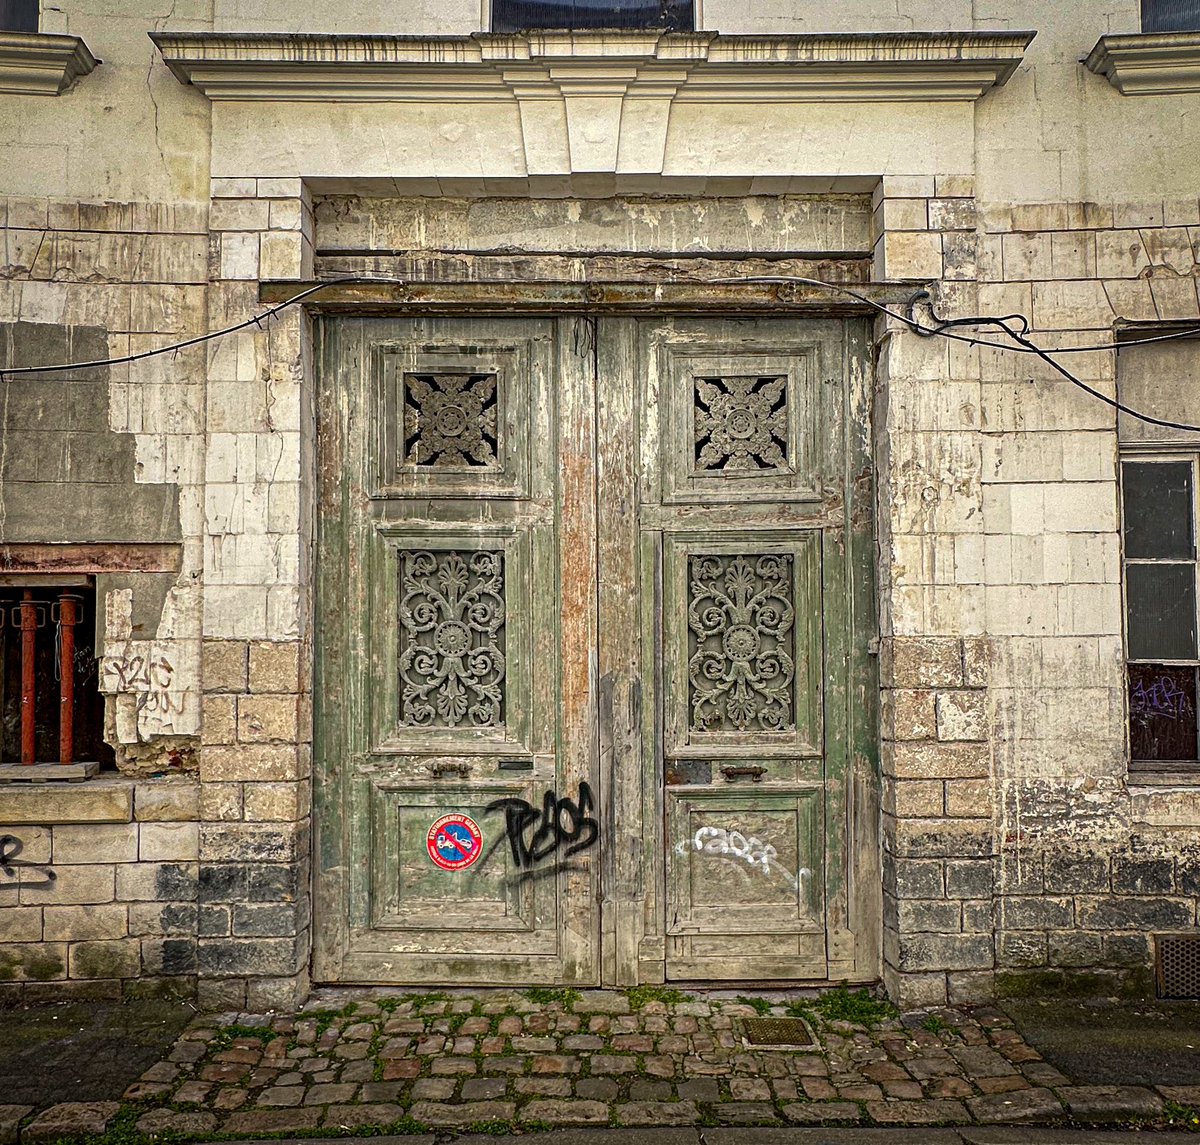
[914,878]
[224,665]
[98,801]
[251,762]
[169,956]
[163,800]
[1018,948]
[908,714]
[275,667]
[1029,913]
[929,915]
[1143,876]
[942,838]
[157,882]
[162,918]
[969,878]
[916,662]
[116,959]
[71,1120]
[962,715]
[74,885]
[252,842]
[161,842]
[970,798]
[274,919]
[276,802]
[219,719]
[80,923]
[1129,913]
[1071,874]
[21,924]
[946,952]
[33,962]
[1075,948]
[937,761]
[268,719]
[258,956]
[916,798]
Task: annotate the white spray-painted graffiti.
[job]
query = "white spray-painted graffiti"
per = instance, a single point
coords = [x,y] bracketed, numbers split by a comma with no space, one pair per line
[735,847]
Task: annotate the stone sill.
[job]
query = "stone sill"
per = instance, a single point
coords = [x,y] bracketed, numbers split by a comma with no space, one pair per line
[1150,63]
[678,67]
[35,64]
[104,799]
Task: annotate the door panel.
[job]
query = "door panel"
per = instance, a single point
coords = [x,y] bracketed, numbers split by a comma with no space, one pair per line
[447,640]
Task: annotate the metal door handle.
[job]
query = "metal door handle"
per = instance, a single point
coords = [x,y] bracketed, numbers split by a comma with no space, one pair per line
[755,773]
[439,767]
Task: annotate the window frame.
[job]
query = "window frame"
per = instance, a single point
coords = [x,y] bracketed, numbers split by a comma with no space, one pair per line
[1160,453]
[6,24]
[489,21]
[1150,26]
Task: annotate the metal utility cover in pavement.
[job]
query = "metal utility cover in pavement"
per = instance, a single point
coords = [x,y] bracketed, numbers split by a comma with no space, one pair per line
[789,1032]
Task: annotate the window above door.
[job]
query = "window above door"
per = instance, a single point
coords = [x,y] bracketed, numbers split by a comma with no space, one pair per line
[1170,15]
[521,15]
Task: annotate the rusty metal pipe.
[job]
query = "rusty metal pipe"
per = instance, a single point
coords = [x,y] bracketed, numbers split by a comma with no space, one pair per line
[66,678]
[28,678]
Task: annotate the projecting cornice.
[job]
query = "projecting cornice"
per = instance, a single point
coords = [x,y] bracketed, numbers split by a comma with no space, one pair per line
[34,64]
[1155,63]
[557,66]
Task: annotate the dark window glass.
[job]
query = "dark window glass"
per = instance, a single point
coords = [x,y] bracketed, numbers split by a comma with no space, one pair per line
[1162,611]
[1157,500]
[516,15]
[1162,712]
[1170,15]
[18,15]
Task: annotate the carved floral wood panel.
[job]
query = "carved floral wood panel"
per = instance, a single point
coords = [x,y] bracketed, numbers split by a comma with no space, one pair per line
[741,665]
[452,622]
[740,423]
[450,420]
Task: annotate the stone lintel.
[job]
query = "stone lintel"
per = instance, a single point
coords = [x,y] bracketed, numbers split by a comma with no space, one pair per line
[32,63]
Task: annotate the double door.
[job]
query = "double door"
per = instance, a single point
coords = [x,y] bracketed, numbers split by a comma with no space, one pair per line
[594,695]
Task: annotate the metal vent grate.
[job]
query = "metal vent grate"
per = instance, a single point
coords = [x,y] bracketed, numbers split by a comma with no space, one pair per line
[791,1032]
[1177,965]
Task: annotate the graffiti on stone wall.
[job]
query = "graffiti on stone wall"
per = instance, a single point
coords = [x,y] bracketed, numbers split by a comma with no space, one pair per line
[561,828]
[735,847]
[15,872]
[151,677]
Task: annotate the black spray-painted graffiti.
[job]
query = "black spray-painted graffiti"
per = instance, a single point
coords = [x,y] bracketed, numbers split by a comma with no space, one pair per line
[561,823]
[12,869]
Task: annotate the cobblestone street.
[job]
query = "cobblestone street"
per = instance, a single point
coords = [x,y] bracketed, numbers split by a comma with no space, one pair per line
[522,1061]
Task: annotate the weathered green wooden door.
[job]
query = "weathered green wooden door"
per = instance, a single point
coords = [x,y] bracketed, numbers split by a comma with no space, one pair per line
[593,699]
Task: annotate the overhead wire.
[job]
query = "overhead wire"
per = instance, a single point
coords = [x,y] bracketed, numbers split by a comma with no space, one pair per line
[1019,340]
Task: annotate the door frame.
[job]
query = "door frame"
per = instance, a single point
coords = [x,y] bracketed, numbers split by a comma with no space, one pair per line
[627,953]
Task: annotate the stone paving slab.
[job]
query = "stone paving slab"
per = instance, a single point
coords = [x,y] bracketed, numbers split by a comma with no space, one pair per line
[460,1062]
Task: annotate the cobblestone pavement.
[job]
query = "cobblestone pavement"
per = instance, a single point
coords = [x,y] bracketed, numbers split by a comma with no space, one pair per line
[507,1061]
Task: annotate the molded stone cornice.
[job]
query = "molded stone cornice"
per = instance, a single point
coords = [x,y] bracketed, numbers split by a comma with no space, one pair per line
[35,64]
[1153,63]
[686,67]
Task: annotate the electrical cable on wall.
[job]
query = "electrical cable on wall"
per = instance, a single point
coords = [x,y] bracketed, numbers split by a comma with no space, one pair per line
[1014,326]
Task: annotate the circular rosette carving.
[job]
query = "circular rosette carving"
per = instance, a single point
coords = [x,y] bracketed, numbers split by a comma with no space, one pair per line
[450,420]
[741,423]
[451,639]
[741,668]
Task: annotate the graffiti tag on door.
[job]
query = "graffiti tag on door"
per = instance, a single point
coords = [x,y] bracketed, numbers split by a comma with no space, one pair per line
[562,828]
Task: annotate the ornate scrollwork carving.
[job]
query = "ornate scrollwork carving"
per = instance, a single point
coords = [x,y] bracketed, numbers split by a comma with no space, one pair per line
[450,420]
[452,639]
[740,613]
[741,423]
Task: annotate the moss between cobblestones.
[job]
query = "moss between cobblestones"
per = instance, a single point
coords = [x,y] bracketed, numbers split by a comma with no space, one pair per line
[639,995]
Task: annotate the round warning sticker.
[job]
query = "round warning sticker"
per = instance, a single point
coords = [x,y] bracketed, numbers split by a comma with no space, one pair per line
[454,842]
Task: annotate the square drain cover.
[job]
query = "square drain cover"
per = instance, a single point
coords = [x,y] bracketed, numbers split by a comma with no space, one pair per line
[1177,965]
[791,1032]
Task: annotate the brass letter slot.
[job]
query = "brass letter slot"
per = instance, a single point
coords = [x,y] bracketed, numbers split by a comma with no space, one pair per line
[755,773]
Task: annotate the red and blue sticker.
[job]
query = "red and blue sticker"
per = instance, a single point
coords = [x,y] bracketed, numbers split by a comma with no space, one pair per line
[454,842]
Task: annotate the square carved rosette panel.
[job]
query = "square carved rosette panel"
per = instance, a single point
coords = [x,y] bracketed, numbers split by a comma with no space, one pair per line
[736,421]
[455,419]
